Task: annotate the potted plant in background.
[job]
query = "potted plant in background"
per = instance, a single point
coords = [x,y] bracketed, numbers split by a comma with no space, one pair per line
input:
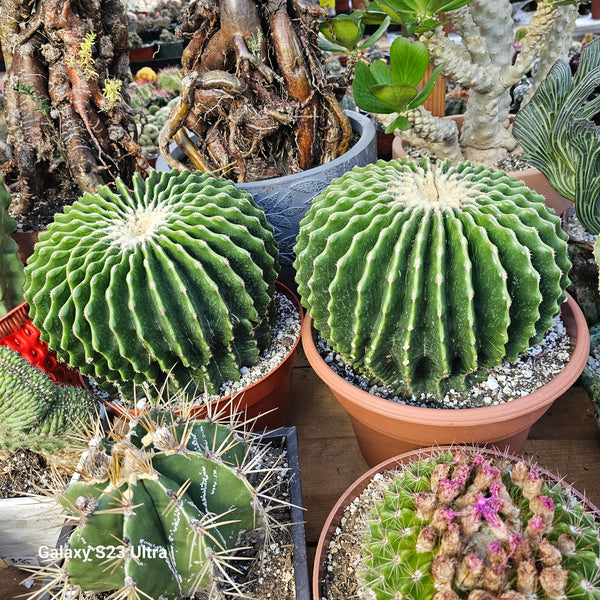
[482,62]
[421,279]
[458,522]
[275,127]
[169,285]
[174,506]
[557,131]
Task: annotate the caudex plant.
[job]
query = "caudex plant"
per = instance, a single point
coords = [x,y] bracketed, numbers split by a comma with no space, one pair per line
[175,498]
[462,524]
[420,276]
[68,123]
[255,89]
[482,61]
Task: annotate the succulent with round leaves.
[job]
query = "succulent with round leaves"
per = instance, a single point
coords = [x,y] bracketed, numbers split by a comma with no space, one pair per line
[418,277]
[173,498]
[35,412]
[461,525]
[169,282]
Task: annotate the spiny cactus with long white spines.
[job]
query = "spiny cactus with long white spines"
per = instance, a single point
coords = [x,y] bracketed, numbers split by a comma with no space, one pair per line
[418,276]
[462,525]
[169,282]
[35,412]
[163,510]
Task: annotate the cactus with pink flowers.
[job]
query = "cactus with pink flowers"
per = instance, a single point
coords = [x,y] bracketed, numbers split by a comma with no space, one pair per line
[463,526]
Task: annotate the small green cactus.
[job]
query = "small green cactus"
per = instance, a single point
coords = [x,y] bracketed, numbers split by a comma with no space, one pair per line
[418,277]
[171,282]
[35,412]
[12,274]
[462,525]
[172,500]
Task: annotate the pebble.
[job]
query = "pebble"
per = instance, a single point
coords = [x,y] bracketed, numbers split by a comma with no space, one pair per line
[532,369]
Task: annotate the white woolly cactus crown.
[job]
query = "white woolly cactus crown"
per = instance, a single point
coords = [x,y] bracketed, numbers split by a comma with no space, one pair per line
[418,277]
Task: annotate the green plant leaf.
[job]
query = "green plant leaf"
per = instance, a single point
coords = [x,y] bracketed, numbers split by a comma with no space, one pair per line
[327,46]
[364,80]
[435,7]
[345,30]
[381,72]
[409,60]
[427,88]
[397,95]
[400,122]
[424,25]
[375,37]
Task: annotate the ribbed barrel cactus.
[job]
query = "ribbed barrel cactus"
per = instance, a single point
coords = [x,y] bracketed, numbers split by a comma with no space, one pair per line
[161,510]
[467,526]
[35,412]
[171,281]
[418,276]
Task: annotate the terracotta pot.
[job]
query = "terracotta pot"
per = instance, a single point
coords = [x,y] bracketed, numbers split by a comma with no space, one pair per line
[267,400]
[144,53]
[334,518]
[26,240]
[532,178]
[384,428]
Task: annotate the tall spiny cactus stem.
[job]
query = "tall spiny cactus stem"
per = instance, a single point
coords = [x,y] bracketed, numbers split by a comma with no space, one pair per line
[464,526]
[417,277]
[35,412]
[174,499]
[12,274]
[170,282]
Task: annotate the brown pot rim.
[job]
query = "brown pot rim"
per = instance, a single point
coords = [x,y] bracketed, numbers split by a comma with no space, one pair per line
[357,487]
[576,327]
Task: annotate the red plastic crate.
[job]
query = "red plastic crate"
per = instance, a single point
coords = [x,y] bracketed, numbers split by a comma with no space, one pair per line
[19,333]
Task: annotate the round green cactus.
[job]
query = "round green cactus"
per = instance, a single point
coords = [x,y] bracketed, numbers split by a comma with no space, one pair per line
[35,412]
[160,511]
[171,281]
[419,276]
[464,525]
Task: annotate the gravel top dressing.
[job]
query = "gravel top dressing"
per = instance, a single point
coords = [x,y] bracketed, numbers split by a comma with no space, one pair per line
[533,369]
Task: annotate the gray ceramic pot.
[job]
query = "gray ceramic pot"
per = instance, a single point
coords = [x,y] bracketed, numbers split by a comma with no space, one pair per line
[286,199]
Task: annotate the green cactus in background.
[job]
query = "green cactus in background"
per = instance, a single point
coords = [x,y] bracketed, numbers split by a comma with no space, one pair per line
[171,282]
[418,277]
[12,273]
[35,412]
[461,525]
[173,499]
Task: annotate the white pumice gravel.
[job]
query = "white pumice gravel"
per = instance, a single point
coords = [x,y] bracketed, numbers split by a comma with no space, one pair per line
[533,369]
[577,230]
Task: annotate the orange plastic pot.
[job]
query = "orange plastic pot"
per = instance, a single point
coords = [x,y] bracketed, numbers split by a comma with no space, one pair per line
[333,521]
[266,403]
[533,178]
[384,428]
